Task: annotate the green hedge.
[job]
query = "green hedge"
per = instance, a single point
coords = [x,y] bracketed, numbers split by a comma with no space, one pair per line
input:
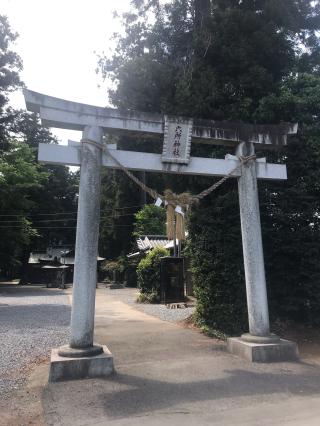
[216,262]
[291,252]
[148,273]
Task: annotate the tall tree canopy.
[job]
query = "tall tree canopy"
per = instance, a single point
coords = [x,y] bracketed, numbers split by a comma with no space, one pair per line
[210,59]
[250,60]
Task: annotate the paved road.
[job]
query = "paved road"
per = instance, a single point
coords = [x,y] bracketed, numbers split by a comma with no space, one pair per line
[32,321]
[168,375]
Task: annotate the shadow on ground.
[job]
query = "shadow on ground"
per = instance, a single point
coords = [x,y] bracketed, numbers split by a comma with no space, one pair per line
[124,395]
[14,290]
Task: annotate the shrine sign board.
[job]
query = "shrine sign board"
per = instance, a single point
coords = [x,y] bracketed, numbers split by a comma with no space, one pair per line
[177,140]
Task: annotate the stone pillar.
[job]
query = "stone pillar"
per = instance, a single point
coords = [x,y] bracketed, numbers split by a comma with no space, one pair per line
[252,247]
[85,268]
[258,345]
[81,358]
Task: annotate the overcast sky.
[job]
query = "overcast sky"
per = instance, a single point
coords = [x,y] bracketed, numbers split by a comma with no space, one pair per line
[57,43]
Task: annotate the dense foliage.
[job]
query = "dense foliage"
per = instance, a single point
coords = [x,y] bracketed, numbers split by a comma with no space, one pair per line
[151,220]
[120,200]
[36,201]
[148,273]
[256,61]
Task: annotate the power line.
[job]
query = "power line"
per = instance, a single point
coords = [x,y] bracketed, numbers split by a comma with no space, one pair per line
[55,214]
[41,227]
[65,219]
[64,227]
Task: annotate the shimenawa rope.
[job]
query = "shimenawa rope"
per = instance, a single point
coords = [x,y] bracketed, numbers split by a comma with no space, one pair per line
[171,199]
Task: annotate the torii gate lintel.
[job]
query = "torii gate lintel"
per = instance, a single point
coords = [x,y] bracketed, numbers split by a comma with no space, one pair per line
[59,113]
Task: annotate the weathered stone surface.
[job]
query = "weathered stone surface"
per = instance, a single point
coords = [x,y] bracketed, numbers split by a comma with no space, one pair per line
[85,268]
[198,166]
[62,368]
[68,352]
[252,245]
[55,112]
[271,338]
[284,350]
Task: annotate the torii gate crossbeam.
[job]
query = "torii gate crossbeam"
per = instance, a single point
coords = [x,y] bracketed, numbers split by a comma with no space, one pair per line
[64,114]
[142,161]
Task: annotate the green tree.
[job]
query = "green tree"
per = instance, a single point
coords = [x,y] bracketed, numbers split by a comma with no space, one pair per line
[120,200]
[57,195]
[19,176]
[151,220]
[218,65]
[10,66]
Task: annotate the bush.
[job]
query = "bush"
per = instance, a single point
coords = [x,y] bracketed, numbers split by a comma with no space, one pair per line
[110,270]
[128,270]
[120,270]
[148,273]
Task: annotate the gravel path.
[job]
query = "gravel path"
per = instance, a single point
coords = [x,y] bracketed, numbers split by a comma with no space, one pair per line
[32,321]
[129,296]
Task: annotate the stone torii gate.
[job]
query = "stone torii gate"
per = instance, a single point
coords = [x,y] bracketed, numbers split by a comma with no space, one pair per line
[82,358]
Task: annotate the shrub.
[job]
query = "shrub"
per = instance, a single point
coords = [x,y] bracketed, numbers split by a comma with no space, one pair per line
[120,270]
[128,270]
[110,270]
[148,273]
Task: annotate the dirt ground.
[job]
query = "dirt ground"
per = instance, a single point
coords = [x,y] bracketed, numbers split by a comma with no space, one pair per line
[24,407]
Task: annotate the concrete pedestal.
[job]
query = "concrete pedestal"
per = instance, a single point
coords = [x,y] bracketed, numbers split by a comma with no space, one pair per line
[280,351]
[72,368]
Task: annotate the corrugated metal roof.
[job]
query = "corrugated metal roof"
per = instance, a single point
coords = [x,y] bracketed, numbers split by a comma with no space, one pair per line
[170,244]
[147,242]
[70,260]
[43,257]
[34,257]
[55,267]
[131,255]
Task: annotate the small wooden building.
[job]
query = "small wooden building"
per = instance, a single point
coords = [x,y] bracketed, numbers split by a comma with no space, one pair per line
[54,267]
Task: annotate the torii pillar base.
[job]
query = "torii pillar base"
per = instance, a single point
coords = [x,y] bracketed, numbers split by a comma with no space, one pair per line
[76,366]
[253,350]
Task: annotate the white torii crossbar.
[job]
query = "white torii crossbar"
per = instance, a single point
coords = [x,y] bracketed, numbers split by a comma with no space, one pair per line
[95,123]
[142,161]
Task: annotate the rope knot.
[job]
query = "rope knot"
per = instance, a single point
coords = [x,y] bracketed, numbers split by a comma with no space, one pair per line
[92,142]
[245,159]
